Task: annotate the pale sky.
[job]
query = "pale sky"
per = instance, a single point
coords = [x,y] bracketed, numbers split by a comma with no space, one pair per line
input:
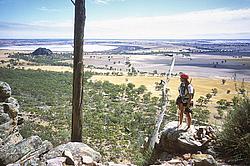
[128,19]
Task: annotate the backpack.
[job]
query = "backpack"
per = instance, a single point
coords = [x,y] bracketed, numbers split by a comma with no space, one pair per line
[181,99]
[183,90]
[192,94]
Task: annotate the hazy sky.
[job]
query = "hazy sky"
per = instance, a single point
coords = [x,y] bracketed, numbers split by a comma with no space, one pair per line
[129,19]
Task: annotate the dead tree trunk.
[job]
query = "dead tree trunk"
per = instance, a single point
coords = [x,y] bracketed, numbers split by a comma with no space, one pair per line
[155,135]
[76,133]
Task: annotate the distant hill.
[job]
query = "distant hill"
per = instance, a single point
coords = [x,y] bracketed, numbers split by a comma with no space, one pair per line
[42,51]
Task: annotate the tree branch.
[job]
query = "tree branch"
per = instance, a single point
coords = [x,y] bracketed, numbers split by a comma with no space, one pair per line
[73,2]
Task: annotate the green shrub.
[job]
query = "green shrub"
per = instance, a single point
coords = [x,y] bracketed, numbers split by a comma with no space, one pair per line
[234,140]
[201,115]
[220,112]
[202,101]
[116,118]
[214,91]
[209,96]
[223,104]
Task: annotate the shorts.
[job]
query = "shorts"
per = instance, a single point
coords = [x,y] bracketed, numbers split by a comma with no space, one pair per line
[187,109]
[179,100]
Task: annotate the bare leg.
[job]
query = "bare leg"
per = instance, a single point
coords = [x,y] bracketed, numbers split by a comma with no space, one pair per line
[181,110]
[189,120]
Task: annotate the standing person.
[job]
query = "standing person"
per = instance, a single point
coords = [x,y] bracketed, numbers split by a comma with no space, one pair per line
[183,101]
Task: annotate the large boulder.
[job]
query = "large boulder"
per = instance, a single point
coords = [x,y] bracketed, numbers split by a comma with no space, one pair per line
[34,157]
[12,139]
[4,117]
[77,149]
[7,129]
[195,160]
[42,51]
[5,91]
[13,101]
[8,117]
[203,160]
[174,140]
[58,161]
[14,152]
[11,110]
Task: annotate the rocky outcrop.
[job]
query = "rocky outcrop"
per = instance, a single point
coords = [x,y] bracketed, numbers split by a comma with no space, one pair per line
[13,148]
[181,147]
[194,160]
[8,115]
[74,152]
[5,91]
[42,51]
[77,149]
[203,160]
[176,140]
[16,151]
[23,150]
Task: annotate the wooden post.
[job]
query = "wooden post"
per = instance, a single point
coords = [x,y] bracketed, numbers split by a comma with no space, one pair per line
[76,132]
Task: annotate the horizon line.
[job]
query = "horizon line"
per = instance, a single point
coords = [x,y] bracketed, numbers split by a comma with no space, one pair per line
[125,39]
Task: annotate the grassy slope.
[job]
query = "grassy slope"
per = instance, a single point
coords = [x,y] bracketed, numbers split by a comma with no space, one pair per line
[114,126]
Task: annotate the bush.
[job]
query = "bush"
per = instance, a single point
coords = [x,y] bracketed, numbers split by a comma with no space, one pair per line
[223,104]
[214,91]
[116,118]
[223,81]
[202,101]
[234,140]
[200,115]
[220,112]
[208,96]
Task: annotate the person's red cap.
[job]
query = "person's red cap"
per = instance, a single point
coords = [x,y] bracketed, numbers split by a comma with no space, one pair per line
[185,76]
